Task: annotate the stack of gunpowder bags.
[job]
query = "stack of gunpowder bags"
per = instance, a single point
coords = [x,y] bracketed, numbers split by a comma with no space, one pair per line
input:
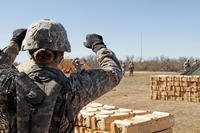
[175,87]
[99,118]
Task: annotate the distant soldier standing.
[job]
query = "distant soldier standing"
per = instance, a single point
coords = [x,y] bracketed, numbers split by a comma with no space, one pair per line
[195,62]
[131,68]
[186,65]
[78,66]
[123,68]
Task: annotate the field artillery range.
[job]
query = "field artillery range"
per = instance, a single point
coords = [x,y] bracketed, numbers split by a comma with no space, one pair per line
[135,93]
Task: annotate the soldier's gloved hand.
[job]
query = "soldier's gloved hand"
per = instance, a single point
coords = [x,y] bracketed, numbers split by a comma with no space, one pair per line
[18,36]
[94,42]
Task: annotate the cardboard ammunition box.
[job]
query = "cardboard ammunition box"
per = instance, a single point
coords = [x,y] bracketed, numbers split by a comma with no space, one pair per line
[176,83]
[154,88]
[170,93]
[155,97]
[162,78]
[154,83]
[103,121]
[155,122]
[176,78]
[169,78]
[84,119]
[184,84]
[159,120]
[192,84]
[135,125]
[170,83]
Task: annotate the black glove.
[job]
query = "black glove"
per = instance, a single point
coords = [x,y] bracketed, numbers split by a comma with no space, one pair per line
[18,36]
[94,42]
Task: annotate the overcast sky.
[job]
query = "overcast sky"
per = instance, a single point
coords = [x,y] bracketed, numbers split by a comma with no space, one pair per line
[169,27]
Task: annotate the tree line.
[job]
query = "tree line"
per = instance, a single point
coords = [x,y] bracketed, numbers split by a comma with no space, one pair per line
[159,63]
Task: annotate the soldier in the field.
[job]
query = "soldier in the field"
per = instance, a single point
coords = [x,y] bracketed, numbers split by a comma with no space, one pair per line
[77,64]
[123,68]
[186,65]
[131,68]
[195,62]
[43,99]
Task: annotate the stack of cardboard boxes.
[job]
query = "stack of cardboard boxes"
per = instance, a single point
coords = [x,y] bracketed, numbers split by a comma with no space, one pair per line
[99,118]
[175,87]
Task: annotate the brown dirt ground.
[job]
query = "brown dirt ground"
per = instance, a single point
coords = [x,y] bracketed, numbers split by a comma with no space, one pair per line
[134,93]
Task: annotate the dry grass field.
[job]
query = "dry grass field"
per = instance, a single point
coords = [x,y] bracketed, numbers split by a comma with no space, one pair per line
[134,92]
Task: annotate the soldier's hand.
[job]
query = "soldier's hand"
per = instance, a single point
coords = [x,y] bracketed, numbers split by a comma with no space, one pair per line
[18,36]
[94,42]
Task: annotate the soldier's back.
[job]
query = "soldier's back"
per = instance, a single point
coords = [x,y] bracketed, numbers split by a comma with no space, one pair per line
[43,77]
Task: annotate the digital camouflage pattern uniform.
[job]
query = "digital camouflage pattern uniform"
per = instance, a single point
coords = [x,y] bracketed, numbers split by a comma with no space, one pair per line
[8,86]
[46,101]
[123,68]
[131,69]
[186,65]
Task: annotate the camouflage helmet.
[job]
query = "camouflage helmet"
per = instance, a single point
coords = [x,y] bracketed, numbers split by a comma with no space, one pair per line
[46,34]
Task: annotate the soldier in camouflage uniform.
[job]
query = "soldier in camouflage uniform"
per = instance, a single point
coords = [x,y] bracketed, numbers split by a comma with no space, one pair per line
[123,68]
[131,68]
[43,99]
[77,65]
[195,62]
[186,65]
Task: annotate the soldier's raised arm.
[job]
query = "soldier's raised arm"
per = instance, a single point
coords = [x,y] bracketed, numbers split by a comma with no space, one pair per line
[93,83]
[9,53]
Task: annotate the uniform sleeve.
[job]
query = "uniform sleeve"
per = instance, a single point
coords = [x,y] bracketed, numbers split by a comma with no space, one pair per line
[8,86]
[90,84]
[8,54]
[7,74]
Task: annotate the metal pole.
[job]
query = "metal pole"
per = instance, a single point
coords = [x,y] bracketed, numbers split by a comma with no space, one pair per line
[141,45]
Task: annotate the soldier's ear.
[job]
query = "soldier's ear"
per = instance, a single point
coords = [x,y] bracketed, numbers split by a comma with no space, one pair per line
[43,56]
